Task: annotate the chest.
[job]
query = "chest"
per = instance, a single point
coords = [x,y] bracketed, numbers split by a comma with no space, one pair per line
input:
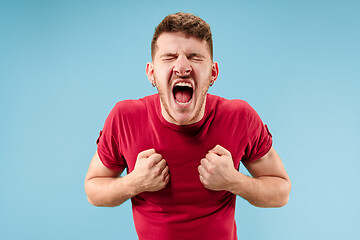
[183,153]
[182,150]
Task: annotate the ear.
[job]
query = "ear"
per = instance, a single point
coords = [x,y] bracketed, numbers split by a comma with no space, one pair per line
[214,72]
[150,72]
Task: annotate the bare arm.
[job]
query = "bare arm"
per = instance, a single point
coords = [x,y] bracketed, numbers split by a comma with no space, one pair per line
[104,187]
[269,185]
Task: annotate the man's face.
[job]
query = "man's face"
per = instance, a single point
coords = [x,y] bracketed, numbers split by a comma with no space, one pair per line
[182,70]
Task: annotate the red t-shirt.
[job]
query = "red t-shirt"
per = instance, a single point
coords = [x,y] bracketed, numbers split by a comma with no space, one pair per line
[184,209]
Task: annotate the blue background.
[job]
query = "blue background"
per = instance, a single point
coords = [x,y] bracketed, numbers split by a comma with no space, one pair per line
[64,65]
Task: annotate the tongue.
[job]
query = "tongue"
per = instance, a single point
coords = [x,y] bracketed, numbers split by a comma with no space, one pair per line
[183,95]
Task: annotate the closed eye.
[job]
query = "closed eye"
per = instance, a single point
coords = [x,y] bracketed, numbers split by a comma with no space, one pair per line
[168,57]
[196,57]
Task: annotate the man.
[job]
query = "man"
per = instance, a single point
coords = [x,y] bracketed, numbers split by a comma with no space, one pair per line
[182,147]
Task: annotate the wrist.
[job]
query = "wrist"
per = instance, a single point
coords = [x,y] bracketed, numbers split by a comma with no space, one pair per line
[134,187]
[236,182]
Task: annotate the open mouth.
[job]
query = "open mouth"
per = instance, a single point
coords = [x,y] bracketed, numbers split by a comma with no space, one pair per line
[183,93]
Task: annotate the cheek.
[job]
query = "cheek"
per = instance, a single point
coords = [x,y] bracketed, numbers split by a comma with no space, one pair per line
[203,76]
[162,73]
[162,82]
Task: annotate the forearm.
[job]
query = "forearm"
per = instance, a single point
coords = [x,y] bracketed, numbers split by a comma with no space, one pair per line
[265,191]
[109,191]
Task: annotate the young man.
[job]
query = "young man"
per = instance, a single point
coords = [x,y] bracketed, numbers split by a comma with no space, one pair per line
[182,147]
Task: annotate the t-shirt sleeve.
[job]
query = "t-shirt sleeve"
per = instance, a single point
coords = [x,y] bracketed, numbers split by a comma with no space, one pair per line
[108,145]
[259,138]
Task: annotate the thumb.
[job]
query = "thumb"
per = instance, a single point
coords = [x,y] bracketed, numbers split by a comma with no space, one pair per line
[219,150]
[146,153]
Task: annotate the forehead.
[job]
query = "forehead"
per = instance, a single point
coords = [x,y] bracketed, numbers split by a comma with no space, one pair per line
[178,42]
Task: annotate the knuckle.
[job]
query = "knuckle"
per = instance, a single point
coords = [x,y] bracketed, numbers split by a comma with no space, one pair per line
[155,174]
[165,182]
[163,162]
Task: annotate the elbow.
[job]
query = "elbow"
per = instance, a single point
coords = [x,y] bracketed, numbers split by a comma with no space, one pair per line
[98,204]
[97,199]
[282,202]
[93,202]
[280,199]
[89,195]
[274,204]
[286,194]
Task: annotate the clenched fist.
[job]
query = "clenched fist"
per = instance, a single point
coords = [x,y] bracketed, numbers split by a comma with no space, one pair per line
[217,171]
[150,173]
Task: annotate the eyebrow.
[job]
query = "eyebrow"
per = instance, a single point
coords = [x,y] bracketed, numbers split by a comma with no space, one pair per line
[169,54]
[199,55]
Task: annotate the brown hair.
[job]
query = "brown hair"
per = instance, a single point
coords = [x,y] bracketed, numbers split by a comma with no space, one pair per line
[186,23]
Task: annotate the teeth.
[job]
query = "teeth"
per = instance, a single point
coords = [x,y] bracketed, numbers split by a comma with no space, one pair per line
[183,84]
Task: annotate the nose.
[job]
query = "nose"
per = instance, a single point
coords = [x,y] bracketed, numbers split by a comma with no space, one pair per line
[182,66]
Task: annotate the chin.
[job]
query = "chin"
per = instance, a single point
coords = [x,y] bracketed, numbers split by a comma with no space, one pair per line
[184,121]
[181,114]
[186,117]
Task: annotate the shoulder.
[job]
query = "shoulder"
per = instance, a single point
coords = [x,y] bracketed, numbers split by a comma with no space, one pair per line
[130,108]
[233,110]
[230,105]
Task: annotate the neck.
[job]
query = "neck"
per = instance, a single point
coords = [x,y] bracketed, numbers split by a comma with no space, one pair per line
[192,119]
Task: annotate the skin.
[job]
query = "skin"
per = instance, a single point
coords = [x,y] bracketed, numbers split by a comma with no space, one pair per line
[269,185]
[105,188]
[184,58]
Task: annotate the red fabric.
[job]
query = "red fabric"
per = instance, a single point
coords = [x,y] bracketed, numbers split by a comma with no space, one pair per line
[184,209]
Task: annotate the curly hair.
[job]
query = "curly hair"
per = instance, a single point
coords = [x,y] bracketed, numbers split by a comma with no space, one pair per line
[186,23]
